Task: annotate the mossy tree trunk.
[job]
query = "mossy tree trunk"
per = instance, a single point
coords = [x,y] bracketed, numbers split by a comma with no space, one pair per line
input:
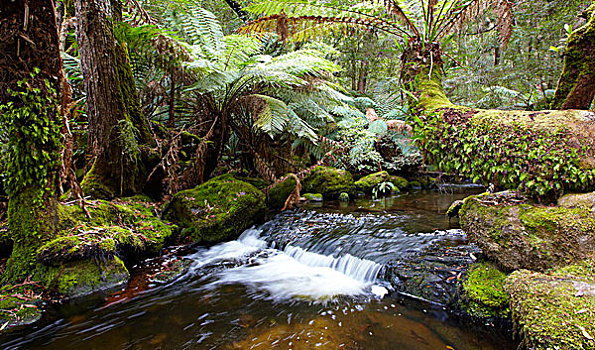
[30,75]
[576,87]
[118,132]
[543,154]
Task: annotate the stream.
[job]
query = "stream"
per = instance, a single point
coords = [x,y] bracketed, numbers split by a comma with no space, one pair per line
[366,275]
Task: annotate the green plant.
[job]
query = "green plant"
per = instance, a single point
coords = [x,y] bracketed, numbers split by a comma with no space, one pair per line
[33,139]
[385,187]
[344,197]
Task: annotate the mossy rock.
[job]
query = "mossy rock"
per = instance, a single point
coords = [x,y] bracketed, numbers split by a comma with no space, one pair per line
[278,194]
[555,310]
[313,197]
[124,227]
[518,234]
[400,182]
[483,290]
[367,183]
[329,182]
[414,184]
[83,277]
[218,210]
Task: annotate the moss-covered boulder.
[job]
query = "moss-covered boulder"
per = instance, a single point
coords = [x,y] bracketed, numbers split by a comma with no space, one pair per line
[400,182]
[555,310]
[83,277]
[330,182]
[518,234]
[278,193]
[218,210]
[313,197]
[483,292]
[578,200]
[127,228]
[367,183]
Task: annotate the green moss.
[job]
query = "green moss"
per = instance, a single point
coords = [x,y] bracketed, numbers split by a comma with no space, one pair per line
[555,310]
[279,193]
[313,197]
[78,278]
[400,182]
[96,186]
[330,182]
[484,294]
[367,183]
[220,209]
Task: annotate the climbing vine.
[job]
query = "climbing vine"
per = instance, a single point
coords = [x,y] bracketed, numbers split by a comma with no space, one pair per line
[32,135]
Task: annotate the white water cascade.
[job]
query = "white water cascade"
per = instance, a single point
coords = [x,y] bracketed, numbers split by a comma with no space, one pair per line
[294,273]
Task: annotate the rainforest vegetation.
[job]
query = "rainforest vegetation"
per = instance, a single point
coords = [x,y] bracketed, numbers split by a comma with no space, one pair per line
[129,127]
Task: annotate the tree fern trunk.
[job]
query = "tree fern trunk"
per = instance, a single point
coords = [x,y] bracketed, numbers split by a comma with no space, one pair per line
[117,128]
[29,41]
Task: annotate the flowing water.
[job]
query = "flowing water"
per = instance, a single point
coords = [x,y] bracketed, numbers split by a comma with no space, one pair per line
[370,275]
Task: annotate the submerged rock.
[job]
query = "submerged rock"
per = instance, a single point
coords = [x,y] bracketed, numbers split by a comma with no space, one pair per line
[517,234]
[330,182]
[556,310]
[218,210]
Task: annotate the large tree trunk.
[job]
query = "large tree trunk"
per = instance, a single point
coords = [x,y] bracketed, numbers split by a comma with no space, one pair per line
[543,154]
[28,44]
[576,87]
[117,129]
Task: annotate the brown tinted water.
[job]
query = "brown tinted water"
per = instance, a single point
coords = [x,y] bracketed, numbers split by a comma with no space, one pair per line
[301,281]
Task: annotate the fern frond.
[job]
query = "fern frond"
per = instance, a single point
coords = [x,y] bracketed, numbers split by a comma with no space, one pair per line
[273,118]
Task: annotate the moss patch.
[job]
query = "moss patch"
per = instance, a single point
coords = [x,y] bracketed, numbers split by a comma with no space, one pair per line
[330,182]
[519,234]
[400,182]
[19,306]
[555,310]
[484,294]
[220,209]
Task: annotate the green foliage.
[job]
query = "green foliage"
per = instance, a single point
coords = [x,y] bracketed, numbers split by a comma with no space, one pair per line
[385,187]
[539,162]
[30,125]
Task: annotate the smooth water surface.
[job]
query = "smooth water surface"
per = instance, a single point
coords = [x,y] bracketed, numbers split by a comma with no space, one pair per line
[320,277]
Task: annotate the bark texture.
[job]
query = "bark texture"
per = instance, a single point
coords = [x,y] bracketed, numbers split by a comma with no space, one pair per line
[576,87]
[29,42]
[117,129]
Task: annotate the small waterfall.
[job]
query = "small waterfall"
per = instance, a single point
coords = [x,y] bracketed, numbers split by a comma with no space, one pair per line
[359,269]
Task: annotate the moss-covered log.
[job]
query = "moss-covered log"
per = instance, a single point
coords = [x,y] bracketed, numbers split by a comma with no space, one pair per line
[576,87]
[30,71]
[117,129]
[543,154]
